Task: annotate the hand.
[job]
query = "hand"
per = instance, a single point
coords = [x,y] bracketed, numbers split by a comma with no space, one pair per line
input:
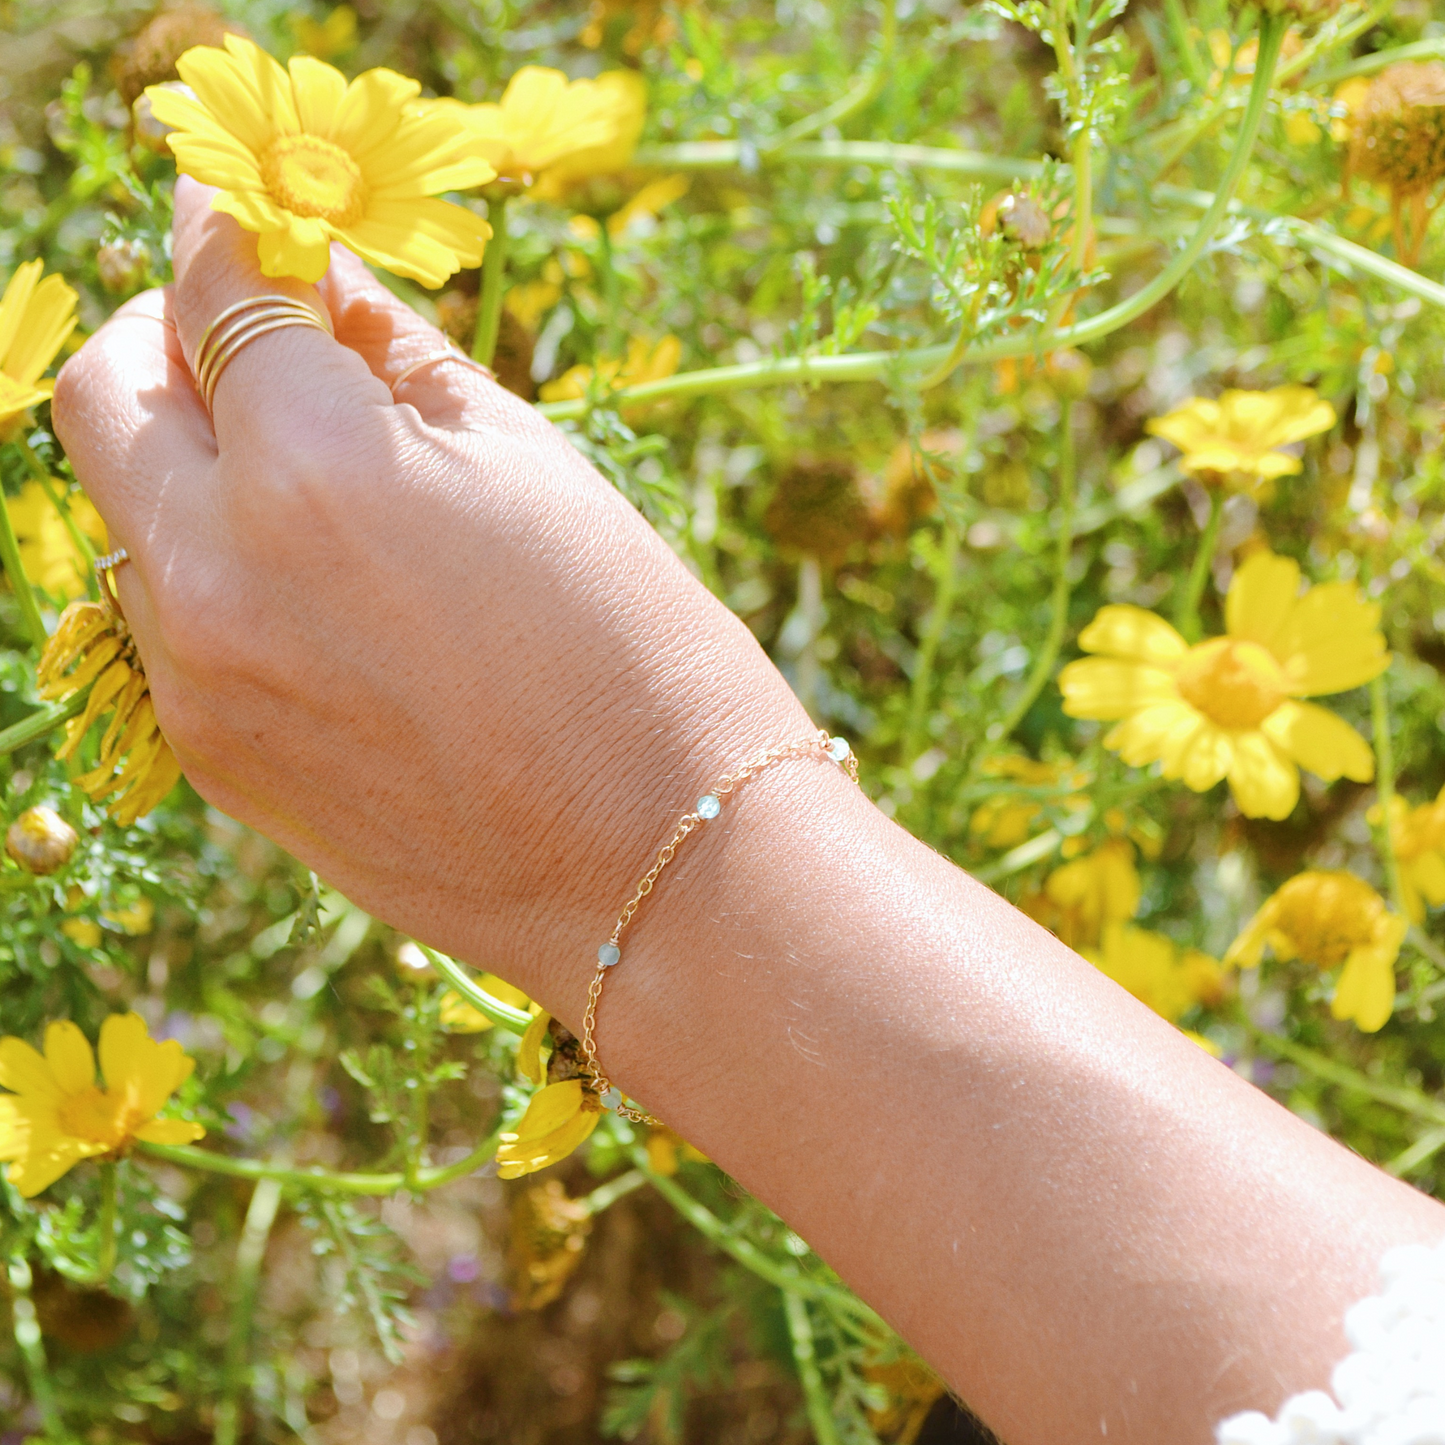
[417,640]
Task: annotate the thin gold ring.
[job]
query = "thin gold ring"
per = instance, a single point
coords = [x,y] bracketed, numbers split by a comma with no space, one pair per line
[239,325]
[103,566]
[448,353]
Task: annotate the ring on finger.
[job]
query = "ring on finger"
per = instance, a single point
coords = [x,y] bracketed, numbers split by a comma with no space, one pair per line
[103,568]
[449,352]
[241,324]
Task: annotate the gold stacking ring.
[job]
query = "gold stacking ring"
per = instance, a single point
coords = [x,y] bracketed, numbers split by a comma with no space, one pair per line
[448,353]
[103,567]
[239,325]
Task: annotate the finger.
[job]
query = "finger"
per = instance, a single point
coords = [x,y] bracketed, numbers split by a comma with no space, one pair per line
[449,391]
[137,436]
[285,387]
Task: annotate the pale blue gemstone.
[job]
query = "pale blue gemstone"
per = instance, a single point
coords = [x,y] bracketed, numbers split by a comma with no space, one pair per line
[838,749]
[708,806]
[608,954]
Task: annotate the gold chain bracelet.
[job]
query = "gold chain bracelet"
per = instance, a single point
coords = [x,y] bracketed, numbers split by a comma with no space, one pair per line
[707,807]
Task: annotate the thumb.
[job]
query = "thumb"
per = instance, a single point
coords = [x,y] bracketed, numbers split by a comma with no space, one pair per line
[279,385]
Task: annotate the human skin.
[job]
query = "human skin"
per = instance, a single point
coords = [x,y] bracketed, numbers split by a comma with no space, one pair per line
[424,646]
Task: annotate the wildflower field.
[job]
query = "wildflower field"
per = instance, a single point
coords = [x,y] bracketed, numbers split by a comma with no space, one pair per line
[1054,388]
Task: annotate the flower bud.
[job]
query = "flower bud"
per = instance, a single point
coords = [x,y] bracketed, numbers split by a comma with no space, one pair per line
[1068,373]
[151,134]
[150,56]
[1019,216]
[40,840]
[123,265]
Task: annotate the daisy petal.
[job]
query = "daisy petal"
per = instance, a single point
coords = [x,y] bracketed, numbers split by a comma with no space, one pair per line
[1264,782]
[1134,635]
[1318,740]
[1261,598]
[170,1131]
[24,1070]
[1159,732]
[68,1052]
[319,90]
[1204,759]
[1103,688]
[1331,641]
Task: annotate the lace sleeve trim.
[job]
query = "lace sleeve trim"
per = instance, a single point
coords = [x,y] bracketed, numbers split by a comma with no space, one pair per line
[1391,1390]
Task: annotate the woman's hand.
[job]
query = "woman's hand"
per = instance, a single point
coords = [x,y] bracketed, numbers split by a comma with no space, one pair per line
[416,639]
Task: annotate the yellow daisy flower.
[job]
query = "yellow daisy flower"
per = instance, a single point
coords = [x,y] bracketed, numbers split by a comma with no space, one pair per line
[48,553]
[303,159]
[1329,918]
[1227,708]
[36,317]
[645,361]
[548,132]
[135,767]
[58,1115]
[559,1119]
[326,38]
[1083,898]
[1418,836]
[665,1149]
[460,1017]
[1170,980]
[1235,440]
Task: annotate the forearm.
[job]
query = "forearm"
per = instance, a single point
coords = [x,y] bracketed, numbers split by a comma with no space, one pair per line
[1082,1220]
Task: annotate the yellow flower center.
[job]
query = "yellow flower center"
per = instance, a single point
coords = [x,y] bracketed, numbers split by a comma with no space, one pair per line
[1327,915]
[309,176]
[1235,684]
[99,1117]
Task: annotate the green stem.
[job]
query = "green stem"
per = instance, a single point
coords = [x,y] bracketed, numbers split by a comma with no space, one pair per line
[606,1195]
[727,155]
[1377,60]
[1421,1152]
[1385,792]
[494,271]
[61,504]
[250,1252]
[322,1180]
[745,1252]
[1059,605]
[805,1358]
[922,690]
[609,345]
[859,94]
[1186,615]
[43,720]
[20,584]
[1397,1096]
[105,1224]
[874,365]
[514,1020]
[32,1350]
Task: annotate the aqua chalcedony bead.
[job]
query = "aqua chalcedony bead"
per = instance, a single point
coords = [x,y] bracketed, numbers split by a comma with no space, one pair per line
[608,954]
[708,806]
[838,749]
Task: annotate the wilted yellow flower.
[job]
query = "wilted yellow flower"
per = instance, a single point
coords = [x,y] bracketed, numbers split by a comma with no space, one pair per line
[560,1118]
[1082,898]
[645,205]
[304,159]
[135,767]
[1170,980]
[1329,918]
[1006,819]
[646,361]
[549,1234]
[1227,707]
[548,132]
[58,1114]
[48,552]
[1418,837]
[1235,440]
[333,36]
[460,1017]
[36,316]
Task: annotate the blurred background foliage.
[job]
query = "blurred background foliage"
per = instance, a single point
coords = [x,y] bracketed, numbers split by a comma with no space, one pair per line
[895,547]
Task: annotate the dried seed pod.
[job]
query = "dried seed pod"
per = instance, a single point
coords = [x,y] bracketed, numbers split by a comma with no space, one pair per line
[150,56]
[818,508]
[40,840]
[1397,133]
[123,265]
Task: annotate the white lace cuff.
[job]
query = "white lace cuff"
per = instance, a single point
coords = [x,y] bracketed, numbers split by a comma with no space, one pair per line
[1391,1391]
